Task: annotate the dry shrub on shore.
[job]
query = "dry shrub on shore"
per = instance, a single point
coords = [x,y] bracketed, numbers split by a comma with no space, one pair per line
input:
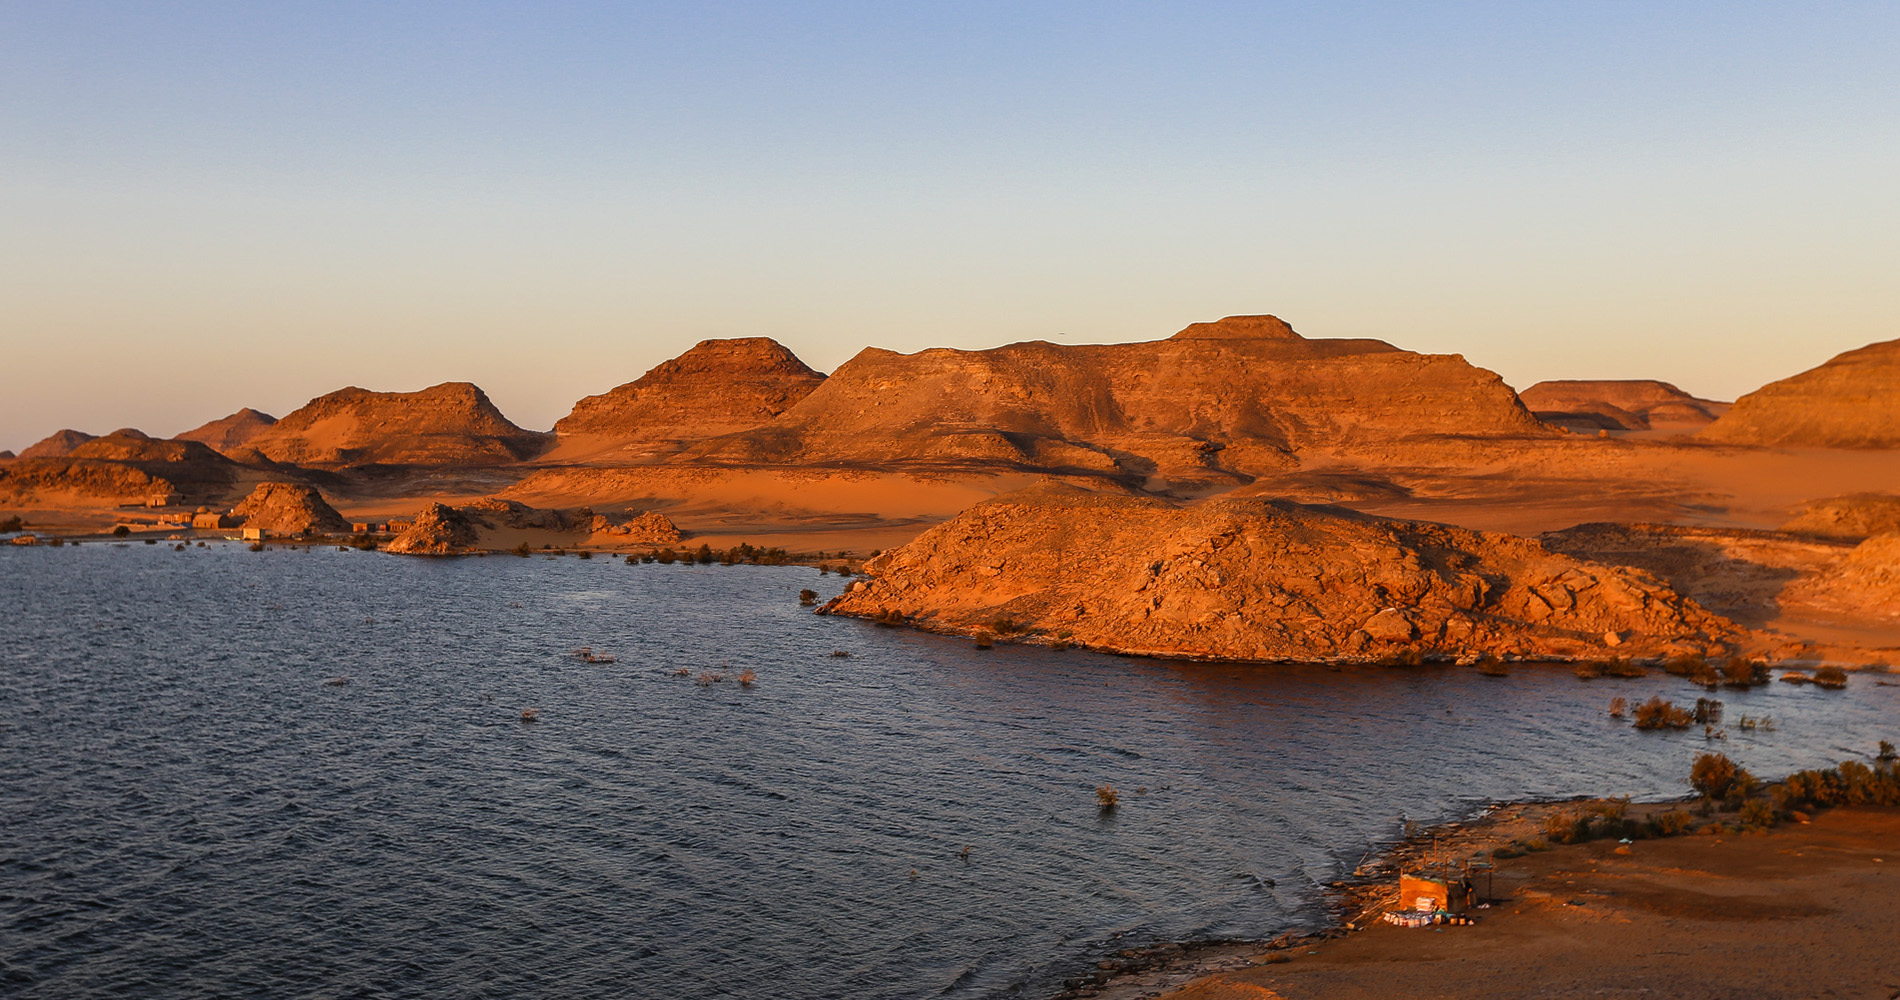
[1657,713]
[1851,784]
[1713,774]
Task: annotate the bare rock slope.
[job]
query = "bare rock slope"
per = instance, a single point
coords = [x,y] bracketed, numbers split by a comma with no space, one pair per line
[717,387]
[1218,402]
[227,434]
[125,466]
[1619,404]
[58,444]
[289,508]
[1852,401]
[1260,579]
[1856,516]
[452,424]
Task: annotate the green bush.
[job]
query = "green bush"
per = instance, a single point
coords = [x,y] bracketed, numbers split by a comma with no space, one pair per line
[1759,814]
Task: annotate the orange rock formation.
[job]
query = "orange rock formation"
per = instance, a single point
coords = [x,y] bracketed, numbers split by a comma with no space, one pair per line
[1619,404]
[1268,580]
[448,424]
[289,508]
[1217,402]
[1852,401]
[717,387]
[227,434]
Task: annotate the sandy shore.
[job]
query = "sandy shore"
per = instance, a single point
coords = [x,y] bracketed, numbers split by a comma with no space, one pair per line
[1804,910]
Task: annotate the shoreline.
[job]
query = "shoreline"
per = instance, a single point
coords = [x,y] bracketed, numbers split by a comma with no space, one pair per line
[1566,909]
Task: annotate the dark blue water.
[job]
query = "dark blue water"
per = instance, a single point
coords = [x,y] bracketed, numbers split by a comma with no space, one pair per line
[191,811]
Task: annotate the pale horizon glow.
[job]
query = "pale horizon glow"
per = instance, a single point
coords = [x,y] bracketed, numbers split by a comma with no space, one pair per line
[214,206]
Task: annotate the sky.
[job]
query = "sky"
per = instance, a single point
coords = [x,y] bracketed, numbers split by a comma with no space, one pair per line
[205,206]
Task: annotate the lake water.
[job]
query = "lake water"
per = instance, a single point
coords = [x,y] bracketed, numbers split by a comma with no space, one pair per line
[192,811]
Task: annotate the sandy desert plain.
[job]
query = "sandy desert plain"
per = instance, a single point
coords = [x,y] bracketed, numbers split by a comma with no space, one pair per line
[1235,491]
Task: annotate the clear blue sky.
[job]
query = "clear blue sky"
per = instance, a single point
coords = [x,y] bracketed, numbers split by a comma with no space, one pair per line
[205,206]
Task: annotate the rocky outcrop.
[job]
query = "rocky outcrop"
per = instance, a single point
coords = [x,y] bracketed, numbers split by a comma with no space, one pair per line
[289,508]
[647,528]
[717,387]
[452,424]
[1270,580]
[1218,402]
[228,434]
[59,444]
[1853,517]
[130,445]
[1853,401]
[439,530]
[1619,404]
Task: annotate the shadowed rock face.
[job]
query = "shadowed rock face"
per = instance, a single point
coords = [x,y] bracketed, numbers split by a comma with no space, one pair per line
[448,424]
[229,433]
[1618,404]
[289,507]
[1853,401]
[718,387]
[59,444]
[1217,402]
[125,466]
[1269,580]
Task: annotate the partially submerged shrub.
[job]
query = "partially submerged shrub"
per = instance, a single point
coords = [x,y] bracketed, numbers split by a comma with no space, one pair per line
[1588,670]
[1708,712]
[747,678]
[808,597]
[1740,672]
[1684,665]
[1657,713]
[1619,707]
[1625,668]
[1831,677]
[1106,797]
[1491,666]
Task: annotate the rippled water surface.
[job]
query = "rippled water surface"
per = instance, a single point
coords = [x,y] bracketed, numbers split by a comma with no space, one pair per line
[192,811]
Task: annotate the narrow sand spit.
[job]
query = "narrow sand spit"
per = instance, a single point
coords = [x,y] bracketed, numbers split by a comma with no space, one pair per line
[1804,910]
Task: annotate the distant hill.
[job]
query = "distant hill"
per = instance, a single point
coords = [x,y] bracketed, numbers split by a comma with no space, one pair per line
[452,424]
[1852,401]
[1619,404]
